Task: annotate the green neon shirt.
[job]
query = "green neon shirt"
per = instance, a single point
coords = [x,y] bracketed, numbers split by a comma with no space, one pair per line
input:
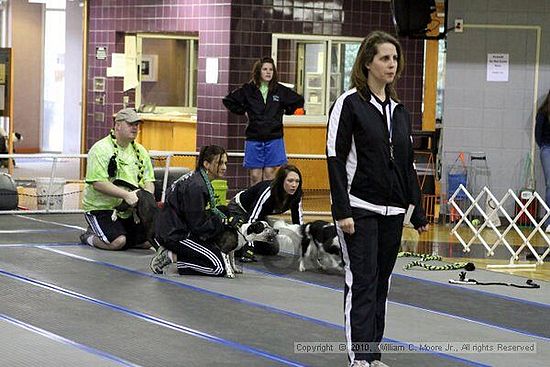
[127,170]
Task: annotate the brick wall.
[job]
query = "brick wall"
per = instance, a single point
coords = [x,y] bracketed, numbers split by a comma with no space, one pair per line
[237,32]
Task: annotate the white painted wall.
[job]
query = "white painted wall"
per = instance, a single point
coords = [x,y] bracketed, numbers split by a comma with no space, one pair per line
[73,79]
[496,117]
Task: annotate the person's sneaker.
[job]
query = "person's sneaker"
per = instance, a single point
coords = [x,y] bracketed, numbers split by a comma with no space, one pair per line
[378,363]
[160,261]
[357,363]
[248,255]
[86,236]
[547,229]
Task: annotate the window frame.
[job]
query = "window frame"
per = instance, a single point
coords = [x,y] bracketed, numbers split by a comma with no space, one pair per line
[328,41]
[193,63]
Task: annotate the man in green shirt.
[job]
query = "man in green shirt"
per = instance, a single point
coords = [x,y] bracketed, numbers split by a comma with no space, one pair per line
[117,168]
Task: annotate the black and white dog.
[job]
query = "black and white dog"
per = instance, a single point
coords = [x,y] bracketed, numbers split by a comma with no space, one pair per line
[231,241]
[17,137]
[317,241]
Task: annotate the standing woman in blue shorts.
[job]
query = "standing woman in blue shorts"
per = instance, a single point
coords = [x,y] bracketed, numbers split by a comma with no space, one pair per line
[264,100]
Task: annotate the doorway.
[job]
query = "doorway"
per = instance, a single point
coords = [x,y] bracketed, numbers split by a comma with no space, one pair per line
[62,77]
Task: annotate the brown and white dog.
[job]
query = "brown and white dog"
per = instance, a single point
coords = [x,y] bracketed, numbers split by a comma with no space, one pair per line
[317,242]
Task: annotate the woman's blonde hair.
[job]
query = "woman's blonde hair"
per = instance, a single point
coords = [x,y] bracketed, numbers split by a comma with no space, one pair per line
[365,55]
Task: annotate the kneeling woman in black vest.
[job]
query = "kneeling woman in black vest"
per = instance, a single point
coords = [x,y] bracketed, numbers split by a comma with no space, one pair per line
[189,223]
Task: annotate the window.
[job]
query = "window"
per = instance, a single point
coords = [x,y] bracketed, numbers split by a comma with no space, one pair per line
[168,72]
[54,76]
[304,64]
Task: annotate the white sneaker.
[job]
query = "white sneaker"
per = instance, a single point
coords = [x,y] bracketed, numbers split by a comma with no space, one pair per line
[160,261]
[378,363]
[547,230]
[357,363]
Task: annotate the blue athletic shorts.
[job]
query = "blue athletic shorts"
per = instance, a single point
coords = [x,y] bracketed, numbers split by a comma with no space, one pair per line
[260,154]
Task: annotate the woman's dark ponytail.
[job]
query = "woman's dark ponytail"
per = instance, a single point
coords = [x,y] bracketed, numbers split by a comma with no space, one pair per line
[208,153]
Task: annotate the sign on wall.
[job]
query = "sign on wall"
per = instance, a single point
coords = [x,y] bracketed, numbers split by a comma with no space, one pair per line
[497,67]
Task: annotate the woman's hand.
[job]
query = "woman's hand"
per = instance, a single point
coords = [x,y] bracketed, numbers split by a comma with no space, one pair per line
[423,228]
[347,225]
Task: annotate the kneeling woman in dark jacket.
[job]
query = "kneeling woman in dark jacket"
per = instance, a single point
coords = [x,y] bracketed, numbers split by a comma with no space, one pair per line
[189,222]
[268,198]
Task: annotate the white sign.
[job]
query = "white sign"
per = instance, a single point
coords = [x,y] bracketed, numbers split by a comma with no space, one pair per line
[101,53]
[497,67]
[118,65]
[211,70]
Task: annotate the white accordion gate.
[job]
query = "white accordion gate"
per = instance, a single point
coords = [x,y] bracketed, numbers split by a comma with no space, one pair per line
[486,221]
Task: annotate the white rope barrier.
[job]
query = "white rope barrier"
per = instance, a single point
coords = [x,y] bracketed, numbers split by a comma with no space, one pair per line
[479,233]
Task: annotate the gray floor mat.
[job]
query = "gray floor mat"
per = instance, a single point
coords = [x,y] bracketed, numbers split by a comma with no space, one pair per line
[17,341]
[318,299]
[226,319]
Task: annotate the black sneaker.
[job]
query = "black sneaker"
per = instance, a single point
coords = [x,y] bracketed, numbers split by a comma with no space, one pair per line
[86,235]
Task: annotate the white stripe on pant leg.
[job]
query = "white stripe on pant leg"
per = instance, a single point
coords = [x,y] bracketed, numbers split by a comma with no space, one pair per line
[200,269]
[217,265]
[92,221]
[347,301]
[201,249]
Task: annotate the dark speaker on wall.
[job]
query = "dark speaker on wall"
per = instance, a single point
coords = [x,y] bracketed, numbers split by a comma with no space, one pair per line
[411,17]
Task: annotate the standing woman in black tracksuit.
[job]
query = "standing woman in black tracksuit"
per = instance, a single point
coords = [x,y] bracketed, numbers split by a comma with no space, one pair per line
[189,223]
[264,100]
[372,184]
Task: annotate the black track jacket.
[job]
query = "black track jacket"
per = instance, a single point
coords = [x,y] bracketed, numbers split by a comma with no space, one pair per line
[265,120]
[185,212]
[258,202]
[361,174]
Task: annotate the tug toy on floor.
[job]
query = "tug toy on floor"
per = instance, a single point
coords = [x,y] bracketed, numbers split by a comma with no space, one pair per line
[466,281]
[425,257]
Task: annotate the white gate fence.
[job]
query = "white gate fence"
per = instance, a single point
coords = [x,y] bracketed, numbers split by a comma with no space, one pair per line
[488,213]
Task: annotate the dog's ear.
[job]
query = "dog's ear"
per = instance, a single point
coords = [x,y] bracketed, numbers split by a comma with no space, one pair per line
[256,227]
[329,232]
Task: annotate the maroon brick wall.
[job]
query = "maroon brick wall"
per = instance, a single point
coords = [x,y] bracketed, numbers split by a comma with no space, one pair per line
[236,34]
[109,20]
